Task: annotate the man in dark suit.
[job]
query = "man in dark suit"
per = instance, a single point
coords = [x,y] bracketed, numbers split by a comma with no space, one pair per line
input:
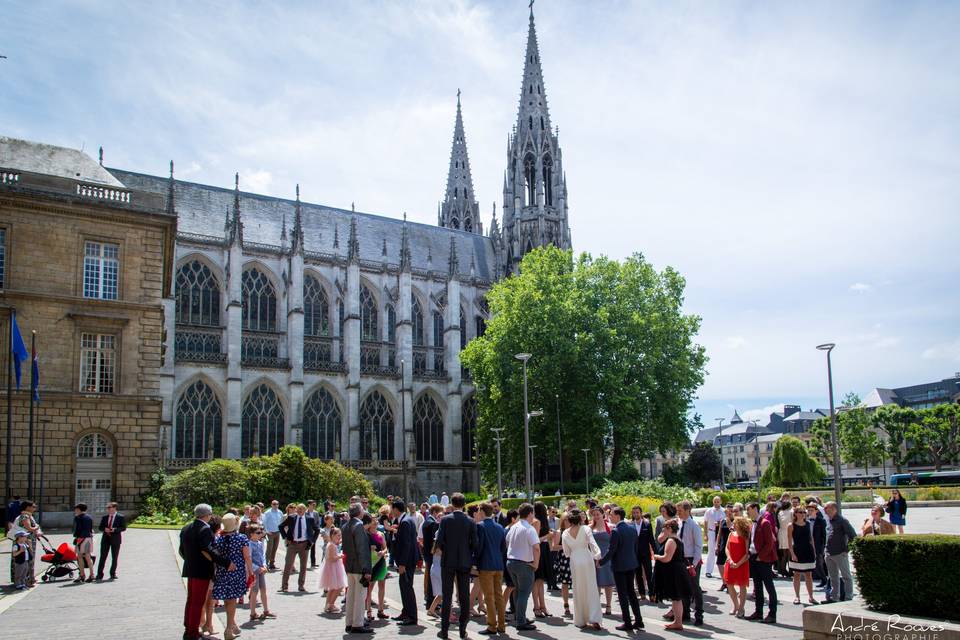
[405,554]
[622,554]
[644,573]
[199,556]
[499,515]
[297,530]
[428,533]
[112,527]
[457,539]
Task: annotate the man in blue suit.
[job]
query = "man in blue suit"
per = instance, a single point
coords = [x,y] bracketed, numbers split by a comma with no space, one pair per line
[405,556]
[622,554]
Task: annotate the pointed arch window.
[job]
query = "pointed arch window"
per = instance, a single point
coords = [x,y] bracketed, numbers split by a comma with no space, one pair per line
[259,302]
[428,429]
[369,320]
[391,324]
[468,430]
[530,178]
[481,325]
[454,223]
[463,330]
[198,423]
[437,329]
[416,321]
[261,424]
[321,425]
[548,179]
[316,308]
[468,224]
[530,120]
[198,295]
[376,428]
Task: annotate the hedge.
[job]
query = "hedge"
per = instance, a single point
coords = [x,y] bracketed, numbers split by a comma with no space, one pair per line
[909,574]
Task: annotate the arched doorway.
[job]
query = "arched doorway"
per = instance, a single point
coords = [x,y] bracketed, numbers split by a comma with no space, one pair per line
[94,472]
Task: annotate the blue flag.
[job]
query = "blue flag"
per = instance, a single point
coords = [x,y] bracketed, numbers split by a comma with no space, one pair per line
[19,350]
[35,377]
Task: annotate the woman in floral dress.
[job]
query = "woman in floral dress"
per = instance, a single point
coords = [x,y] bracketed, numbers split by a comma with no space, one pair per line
[231,585]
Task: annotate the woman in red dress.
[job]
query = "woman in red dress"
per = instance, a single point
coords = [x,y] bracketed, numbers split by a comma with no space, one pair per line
[736,573]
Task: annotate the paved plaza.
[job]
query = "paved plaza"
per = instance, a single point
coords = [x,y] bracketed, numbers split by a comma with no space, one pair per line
[147,601]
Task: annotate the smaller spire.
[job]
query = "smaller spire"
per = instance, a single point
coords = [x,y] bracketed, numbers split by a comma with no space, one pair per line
[383,251]
[298,224]
[336,236]
[171,209]
[352,207]
[405,261]
[454,264]
[101,155]
[353,246]
[236,226]
[283,231]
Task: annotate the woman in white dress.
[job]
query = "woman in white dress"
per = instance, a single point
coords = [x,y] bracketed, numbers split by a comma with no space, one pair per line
[581,548]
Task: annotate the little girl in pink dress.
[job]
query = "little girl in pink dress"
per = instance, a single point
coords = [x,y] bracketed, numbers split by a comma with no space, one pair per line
[333,575]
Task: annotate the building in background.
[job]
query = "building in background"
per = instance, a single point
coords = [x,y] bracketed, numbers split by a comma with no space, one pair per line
[917,396]
[85,261]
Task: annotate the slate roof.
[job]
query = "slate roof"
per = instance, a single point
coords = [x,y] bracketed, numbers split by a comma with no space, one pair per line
[51,160]
[707,434]
[202,210]
[803,415]
[769,437]
[879,397]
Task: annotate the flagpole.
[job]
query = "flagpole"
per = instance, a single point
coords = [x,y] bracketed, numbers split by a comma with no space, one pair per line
[33,354]
[7,473]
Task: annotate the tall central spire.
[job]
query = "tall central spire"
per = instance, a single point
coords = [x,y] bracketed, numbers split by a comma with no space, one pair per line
[459,209]
[533,117]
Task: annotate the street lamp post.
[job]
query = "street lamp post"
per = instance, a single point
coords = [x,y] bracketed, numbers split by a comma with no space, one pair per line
[498,440]
[828,347]
[532,447]
[586,468]
[559,443]
[524,357]
[723,481]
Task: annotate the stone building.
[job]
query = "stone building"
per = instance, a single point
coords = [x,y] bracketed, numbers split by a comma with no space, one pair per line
[86,264]
[341,331]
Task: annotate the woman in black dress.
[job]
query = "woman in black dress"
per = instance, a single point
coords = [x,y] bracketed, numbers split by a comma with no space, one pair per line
[803,555]
[725,528]
[544,572]
[670,574]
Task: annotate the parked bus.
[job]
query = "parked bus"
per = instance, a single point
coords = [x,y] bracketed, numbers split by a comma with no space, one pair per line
[942,478]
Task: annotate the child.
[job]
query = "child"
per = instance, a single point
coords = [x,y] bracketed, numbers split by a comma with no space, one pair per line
[333,575]
[258,557]
[21,560]
[83,540]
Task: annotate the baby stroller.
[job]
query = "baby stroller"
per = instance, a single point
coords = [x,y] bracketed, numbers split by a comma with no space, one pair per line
[63,561]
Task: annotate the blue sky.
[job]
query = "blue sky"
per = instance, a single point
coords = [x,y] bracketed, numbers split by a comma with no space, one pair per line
[797,162]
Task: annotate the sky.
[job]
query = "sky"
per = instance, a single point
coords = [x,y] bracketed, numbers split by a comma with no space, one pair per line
[797,162]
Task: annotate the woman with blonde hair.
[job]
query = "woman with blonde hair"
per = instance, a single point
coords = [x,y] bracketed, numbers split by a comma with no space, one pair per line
[736,572]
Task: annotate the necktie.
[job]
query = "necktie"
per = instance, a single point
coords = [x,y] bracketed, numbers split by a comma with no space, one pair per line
[110,523]
[299,534]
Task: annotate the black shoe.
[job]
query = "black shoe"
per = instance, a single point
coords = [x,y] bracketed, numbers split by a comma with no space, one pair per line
[399,618]
[770,619]
[349,629]
[442,635]
[463,633]
[756,615]
[488,632]
[698,622]
[362,630]
[528,626]
[638,624]
[99,578]
[827,601]
[407,623]
[113,576]
[624,627]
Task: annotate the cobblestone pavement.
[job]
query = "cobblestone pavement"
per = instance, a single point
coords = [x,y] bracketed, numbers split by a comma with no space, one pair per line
[147,601]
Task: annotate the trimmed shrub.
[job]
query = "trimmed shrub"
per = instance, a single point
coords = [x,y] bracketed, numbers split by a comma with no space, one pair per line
[908,574]
[655,489]
[215,482]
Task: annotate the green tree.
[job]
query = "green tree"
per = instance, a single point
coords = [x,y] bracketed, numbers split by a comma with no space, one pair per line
[936,433]
[821,440]
[792,465]
[703,465]
[608,337]
[894,423]
[859,443]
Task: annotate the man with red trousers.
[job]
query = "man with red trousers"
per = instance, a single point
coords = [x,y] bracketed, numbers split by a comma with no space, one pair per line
[199,556]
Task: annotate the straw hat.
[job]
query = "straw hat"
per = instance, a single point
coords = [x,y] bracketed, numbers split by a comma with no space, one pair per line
[229,523]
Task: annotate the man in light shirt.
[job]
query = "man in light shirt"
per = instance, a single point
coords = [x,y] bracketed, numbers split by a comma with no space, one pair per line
[523,558]
[692,538]
[445,499]
[272,518]
[711,522]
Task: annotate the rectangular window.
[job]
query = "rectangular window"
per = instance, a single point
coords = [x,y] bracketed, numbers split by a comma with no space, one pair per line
[101,268]
[84,483]
[3,257]
[97,360]
[103,483]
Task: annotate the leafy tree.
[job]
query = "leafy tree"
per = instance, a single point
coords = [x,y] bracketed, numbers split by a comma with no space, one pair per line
[859,443]
[792,465]
[608,337]
[894,422]
[703,465]
[675,475]
[821,440]
[936,433]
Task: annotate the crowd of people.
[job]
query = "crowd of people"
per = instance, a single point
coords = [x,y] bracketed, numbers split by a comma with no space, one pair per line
[498,561]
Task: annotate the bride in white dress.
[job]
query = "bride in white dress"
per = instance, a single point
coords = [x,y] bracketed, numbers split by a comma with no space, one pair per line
[581,548]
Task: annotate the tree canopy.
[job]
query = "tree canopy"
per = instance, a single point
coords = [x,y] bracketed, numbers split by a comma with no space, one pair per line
[611,348]
[792,465]
[703,464]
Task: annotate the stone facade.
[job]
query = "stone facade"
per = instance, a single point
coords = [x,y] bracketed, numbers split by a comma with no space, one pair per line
[98,335]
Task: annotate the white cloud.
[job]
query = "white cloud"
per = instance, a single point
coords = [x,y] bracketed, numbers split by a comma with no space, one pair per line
[944,351]
[861,287]
[735,342]
[257,181]
[761,415]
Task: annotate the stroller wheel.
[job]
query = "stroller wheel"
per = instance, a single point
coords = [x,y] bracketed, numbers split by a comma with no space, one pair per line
[44,578]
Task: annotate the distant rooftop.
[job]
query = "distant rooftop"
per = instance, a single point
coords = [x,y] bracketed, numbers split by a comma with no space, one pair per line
[47,159]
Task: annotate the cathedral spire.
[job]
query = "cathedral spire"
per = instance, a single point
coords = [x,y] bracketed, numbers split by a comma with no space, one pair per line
[171,208]
[405,261]
[459,209]
[353,244]
[533,118]
[235,231]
